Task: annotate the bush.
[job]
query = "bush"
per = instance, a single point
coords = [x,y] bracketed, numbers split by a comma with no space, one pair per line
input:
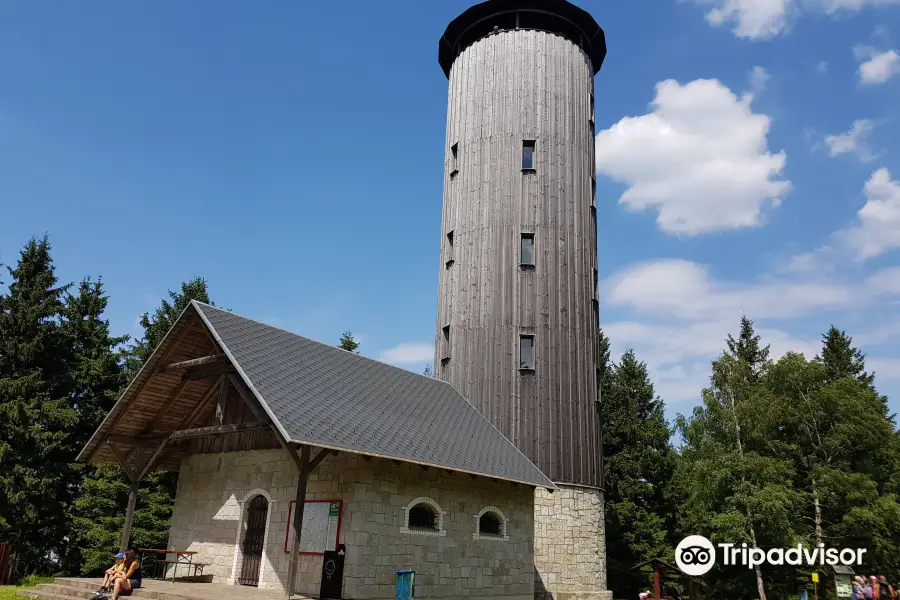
[33,580]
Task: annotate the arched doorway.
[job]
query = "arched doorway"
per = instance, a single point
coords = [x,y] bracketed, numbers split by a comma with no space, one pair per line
[254,538]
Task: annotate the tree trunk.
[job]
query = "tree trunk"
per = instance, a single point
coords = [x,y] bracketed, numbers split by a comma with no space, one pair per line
[760,588]
[818,516]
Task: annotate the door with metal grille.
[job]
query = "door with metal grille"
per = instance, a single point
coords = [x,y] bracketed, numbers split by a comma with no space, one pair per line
[253,541]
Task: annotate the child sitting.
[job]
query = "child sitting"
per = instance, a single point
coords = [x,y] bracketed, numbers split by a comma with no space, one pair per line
[110,574]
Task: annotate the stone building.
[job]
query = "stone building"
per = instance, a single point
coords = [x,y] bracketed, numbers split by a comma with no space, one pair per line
[397,467]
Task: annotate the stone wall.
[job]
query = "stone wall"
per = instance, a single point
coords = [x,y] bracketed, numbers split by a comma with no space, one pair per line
[213,490]
[570,545]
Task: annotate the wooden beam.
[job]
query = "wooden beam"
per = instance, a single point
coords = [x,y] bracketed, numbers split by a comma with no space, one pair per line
[150,461]
[299,501]
[125,542]
[192,363]
[162,413]
[125,441]
[198,432]
[250,401]
[206,372]
[321,455]
[123,462]
[202,404]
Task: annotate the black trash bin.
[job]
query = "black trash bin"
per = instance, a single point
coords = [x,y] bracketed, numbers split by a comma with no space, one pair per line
[332,584]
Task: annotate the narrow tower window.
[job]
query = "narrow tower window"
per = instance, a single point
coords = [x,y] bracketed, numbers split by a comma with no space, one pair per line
[454,159]
[592,111]
[594,190]
[526,255]
[595,283]
[446,331]
[526,353]
[528,155]
[449,262]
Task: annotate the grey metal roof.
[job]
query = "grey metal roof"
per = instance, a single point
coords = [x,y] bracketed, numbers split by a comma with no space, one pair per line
[325,396]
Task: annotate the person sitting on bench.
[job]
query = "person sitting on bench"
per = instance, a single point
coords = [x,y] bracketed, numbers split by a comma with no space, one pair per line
[110,572]
[130,579]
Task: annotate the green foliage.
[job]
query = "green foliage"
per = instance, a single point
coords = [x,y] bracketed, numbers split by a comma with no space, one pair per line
[841,359]
[37,409]
[639,461]
[348,342]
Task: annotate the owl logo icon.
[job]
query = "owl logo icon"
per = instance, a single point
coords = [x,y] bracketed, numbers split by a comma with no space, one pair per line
[695,555]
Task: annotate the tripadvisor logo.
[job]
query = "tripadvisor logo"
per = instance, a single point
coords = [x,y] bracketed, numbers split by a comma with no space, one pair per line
[696,555]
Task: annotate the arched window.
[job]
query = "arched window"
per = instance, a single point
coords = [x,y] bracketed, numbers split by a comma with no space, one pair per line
[424,516]
[490,524]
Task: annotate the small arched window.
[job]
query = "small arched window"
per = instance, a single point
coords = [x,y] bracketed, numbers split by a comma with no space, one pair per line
[490,523]
[423,516]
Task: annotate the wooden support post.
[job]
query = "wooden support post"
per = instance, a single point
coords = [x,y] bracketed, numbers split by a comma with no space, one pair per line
[299,502]
[656,589]
[129,517]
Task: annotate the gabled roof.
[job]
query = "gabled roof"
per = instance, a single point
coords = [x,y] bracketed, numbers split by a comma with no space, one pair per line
[321,395]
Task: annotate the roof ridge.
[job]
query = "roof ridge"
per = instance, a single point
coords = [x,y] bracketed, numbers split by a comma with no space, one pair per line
[380,362]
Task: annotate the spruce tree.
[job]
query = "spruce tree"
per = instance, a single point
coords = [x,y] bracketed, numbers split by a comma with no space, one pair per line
[97,379]
[841,359]
[747,349]
[36,409]
[348,342]
[639,462]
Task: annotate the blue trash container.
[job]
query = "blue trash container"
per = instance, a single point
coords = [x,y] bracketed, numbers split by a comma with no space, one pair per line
[406,582]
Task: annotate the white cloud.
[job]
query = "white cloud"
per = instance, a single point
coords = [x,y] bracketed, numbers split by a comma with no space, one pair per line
[884,368]
[822,67]
[751,19]
[833,6]
[877,67]
[409,352]
[680,316]
[878,226]
[854,141]
[766,19]
[685,290]
[758,78]
[700,159]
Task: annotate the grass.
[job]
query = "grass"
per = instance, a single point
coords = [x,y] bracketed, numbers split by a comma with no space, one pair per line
[8,592]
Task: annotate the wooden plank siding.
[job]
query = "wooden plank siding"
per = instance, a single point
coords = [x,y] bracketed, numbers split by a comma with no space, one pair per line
[505,89]
[147,404]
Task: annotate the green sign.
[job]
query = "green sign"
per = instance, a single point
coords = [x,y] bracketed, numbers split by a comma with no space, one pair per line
[334,509]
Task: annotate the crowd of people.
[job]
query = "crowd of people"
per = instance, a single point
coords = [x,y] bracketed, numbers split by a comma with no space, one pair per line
[875,588]
[121,578]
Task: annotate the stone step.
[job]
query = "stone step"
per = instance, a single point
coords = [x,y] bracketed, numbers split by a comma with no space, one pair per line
[39,594]
[77,588]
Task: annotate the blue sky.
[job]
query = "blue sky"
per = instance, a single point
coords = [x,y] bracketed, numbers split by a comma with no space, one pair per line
[291,153]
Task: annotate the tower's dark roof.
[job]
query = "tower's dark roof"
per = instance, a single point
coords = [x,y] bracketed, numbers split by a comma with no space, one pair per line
[557,16]
[321,395]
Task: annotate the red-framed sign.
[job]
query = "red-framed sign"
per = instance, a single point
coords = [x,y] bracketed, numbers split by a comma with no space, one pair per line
[321,527]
